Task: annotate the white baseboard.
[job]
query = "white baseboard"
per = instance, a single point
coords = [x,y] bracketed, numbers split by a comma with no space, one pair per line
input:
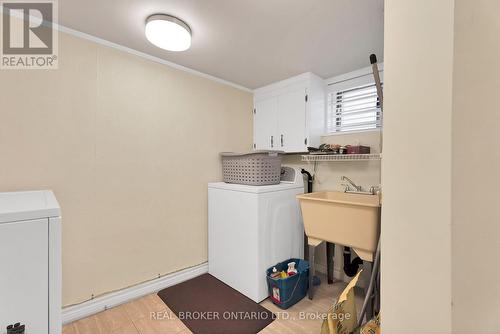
[99,304]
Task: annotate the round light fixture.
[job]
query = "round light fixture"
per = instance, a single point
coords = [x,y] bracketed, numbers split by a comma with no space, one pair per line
[168,32]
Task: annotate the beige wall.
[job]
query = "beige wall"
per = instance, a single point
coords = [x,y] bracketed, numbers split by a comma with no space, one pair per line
[476,163]
[416,181]
[128,146]
[440,206]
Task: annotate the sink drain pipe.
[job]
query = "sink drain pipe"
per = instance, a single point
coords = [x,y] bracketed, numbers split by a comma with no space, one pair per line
[309,190]
[309,180]
[351,268]
[316,279]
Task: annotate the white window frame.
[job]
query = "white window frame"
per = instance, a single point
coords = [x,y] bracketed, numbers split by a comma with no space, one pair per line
[346,81]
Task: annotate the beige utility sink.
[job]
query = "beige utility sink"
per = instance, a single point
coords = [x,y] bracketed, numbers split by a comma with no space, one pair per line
[343,218]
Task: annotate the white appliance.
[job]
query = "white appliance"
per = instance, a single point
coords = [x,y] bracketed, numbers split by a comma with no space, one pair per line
[251,228]
[30,261]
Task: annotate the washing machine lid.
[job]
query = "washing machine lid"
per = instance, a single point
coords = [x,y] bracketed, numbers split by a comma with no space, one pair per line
[28,205]
[256,189]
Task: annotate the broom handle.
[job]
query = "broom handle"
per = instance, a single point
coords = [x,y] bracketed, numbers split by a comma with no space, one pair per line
[380,94]
[376,76]
[373,280]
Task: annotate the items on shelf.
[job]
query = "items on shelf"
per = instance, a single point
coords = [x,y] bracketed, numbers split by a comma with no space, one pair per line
[339,149]
[358,149]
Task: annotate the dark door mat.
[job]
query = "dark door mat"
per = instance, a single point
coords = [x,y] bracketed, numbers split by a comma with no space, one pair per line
[206,305]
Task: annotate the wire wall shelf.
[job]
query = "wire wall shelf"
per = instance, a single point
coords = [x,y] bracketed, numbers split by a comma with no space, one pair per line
[341,157]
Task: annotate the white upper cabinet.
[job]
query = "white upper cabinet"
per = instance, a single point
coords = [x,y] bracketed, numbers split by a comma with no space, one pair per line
[292,120]
[266,121]
[289,115]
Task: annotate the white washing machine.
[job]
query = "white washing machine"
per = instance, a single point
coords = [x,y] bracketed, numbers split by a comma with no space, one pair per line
[251,228]
[30,261]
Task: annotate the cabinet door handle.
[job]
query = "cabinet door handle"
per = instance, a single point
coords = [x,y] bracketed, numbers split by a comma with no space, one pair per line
[272,141]
[281,140]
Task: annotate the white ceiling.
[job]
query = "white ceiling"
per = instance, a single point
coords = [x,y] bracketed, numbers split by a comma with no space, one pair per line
[248,42]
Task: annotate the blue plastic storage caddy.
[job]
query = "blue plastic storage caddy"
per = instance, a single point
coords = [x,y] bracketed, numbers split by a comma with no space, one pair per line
[285,292]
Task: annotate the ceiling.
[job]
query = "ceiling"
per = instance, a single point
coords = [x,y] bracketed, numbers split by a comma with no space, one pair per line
[248,42]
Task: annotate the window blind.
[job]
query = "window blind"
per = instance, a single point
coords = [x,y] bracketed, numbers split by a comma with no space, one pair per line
[354,109]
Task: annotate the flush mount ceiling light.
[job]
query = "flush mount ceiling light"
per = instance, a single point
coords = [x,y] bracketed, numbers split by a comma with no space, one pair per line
[168,32]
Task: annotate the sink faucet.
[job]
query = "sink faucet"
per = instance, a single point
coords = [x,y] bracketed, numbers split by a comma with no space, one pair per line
[350,184]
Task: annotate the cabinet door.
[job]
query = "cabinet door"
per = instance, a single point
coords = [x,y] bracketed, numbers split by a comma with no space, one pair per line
[24,275]
[265,124]
[292,121]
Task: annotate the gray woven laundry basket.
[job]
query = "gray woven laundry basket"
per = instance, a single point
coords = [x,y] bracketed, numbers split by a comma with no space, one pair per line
[256,168]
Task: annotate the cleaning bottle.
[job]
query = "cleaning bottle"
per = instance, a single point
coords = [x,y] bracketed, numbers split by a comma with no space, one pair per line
[275,273]
[291,269]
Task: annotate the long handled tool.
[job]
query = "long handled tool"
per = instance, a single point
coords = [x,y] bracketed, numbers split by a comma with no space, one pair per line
[373,290]
[380,94]
[372,286]
[378,83]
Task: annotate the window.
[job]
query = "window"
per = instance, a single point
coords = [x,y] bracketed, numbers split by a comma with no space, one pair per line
[353,109]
